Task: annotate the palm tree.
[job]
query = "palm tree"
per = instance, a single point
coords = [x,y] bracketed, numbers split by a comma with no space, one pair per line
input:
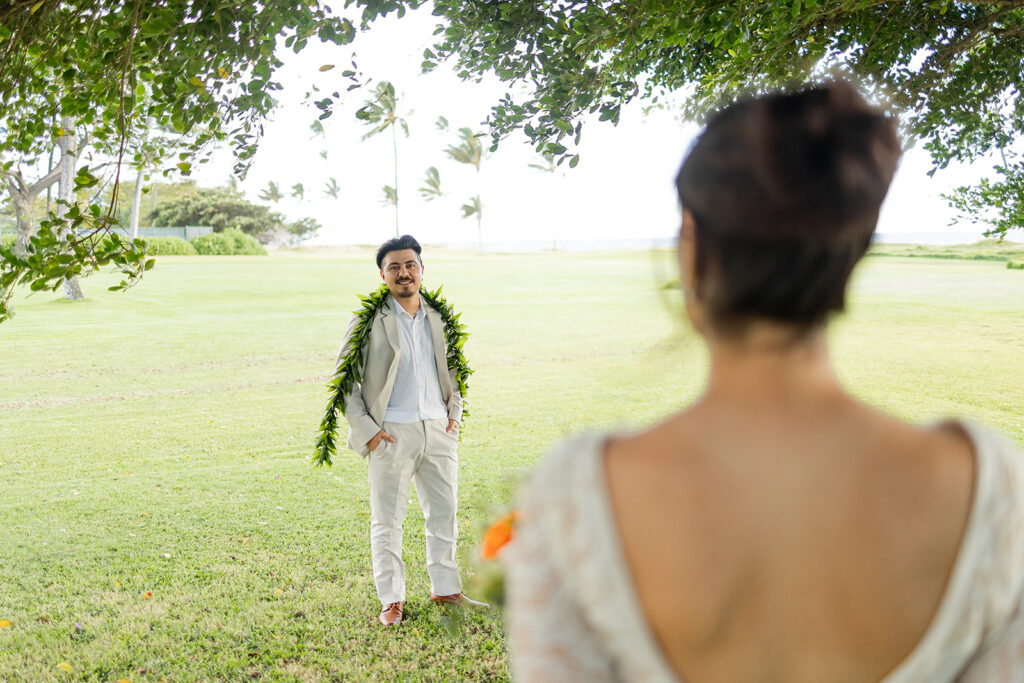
[318,131]
[469,151]
[298,191]
[547,165]
[431,188]
[381,113]
[390,196]
[332,188]
[271,193]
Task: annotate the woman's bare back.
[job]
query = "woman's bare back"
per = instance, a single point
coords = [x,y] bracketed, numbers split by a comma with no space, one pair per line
[794,542]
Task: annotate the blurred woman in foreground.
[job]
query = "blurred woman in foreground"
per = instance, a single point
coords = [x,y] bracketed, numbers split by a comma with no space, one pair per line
[778,529]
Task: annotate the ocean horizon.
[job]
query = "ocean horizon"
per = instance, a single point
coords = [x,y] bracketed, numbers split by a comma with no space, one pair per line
[934,237]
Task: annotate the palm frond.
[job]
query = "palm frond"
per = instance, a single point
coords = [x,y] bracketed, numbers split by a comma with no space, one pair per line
[431,188]
[472,207]
[468,150]
[271,193]
[331,188]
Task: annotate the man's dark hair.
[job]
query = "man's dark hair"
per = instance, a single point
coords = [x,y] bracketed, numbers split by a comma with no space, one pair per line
[399,244]
[785,192]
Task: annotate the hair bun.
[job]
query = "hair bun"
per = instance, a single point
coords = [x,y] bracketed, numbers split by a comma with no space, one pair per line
[813,165]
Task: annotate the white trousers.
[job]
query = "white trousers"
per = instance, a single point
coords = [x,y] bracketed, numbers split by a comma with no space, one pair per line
[423,451]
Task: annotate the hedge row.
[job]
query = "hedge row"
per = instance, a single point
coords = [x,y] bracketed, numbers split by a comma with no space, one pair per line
[169,246]
[231,242]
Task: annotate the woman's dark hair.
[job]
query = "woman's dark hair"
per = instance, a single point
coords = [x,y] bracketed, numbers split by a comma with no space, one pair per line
[785,191]
[399,244]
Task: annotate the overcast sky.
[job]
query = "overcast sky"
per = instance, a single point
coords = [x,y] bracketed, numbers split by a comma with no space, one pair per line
[622,188]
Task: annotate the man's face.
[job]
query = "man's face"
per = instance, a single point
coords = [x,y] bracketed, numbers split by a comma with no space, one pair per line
[402,272]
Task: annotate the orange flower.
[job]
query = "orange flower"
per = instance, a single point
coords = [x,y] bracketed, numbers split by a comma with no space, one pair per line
[497,536]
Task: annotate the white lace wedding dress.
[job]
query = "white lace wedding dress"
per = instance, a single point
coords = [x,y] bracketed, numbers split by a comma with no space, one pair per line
[573,614]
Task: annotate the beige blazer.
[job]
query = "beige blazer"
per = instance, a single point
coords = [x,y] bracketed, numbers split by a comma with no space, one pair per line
[366,405]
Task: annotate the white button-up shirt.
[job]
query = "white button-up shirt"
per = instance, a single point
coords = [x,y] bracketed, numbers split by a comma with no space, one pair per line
[417,392]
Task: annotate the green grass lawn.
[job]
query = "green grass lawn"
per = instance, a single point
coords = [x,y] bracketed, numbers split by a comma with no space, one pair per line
[160,518]
[984,250]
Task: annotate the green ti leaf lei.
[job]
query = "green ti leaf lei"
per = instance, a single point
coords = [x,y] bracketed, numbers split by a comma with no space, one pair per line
[350,369]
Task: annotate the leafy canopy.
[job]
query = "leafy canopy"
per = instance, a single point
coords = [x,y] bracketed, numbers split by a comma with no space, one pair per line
[952,71]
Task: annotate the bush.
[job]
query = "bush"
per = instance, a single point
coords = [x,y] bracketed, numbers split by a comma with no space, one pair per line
[1015,265]
[168,246]
[7,241]
[228,243]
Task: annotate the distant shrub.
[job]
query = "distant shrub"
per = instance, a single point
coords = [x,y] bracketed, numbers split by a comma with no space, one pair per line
[228,243]
[246,245]
[168,246]
[7,241]
[1015,265]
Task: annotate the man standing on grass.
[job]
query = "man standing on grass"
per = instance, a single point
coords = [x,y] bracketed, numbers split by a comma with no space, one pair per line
[403,414]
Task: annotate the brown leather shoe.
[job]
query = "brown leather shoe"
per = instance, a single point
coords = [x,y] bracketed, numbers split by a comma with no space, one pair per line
[459,600]
[391,615]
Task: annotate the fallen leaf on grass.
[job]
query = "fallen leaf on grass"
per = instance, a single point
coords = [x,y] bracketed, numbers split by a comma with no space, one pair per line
[278,591]
[123,680]
[4,623]
[246,540]
[147,595]
[65,667]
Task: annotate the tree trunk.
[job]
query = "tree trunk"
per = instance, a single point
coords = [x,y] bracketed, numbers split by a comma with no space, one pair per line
[23,196]
[479,213]
[137,203]
[394,145]
[68,160]
[49,202]
[137,198]
[26,221]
